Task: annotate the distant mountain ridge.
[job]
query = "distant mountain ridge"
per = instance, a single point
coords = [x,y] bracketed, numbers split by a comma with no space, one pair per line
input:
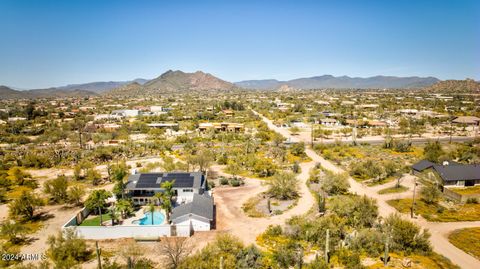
[8,93]
[175,81]
[342,82]
[100,86]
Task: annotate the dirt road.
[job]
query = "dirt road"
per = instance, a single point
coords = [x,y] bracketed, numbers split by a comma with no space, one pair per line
[229,201]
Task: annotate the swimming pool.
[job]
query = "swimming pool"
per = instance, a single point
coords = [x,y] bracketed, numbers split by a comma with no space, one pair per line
[158,219]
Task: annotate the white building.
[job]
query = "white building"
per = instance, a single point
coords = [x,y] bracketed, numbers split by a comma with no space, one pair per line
[142,187]
[126,112]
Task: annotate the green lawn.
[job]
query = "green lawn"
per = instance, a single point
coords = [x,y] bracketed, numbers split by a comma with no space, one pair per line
[393,190]
[95,221]
[431,212]
[467,240]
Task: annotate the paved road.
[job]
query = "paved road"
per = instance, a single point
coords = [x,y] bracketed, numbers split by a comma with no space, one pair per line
[439,231]
[415,140]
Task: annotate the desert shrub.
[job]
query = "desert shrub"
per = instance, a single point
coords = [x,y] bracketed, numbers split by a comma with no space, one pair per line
[406,236]
[284,186]
[234,182]
[273,230]
[223,181]
[350,259]
[67,249]
[430,193]
[359,211]
[370,241]
[298,149]
[333,183]
[472,200]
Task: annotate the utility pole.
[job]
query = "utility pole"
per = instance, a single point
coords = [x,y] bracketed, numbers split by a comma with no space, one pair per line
[311,133]
[221,262]
[327,246]
[412,213]
[451,130]
[99,252]
[354,132]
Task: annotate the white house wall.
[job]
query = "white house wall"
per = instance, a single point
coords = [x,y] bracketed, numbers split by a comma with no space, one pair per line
[115,232]
[197,225]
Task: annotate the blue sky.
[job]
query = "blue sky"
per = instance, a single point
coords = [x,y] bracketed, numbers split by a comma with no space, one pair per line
[51,43]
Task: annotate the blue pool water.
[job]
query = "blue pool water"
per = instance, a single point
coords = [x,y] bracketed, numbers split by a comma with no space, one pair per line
[158,218]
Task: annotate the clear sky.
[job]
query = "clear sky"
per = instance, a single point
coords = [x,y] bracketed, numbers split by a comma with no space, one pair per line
[51,43]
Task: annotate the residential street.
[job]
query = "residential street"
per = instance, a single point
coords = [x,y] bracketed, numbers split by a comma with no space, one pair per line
[439,231]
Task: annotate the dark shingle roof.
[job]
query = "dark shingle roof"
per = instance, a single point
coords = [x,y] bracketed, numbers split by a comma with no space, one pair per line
[422,165]
[194,180]
[201,205]
[458,172]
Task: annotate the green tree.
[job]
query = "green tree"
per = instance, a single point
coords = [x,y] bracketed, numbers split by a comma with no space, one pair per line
[75,195]
[96,201]
[17,175]
[298,149]
[334,183]
[57,189]
[125,207]
[93,176]
[433,151]
[165,197]
[360,211]
[233,168]
[67,250]
[430,193]
[284,185]
[405,235]
[25,205]
[13,231]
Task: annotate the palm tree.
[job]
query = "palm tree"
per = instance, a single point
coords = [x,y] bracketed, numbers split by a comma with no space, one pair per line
[113,214]
[124,206]
[167,206]
[96,200]
[165,198]
[151,209]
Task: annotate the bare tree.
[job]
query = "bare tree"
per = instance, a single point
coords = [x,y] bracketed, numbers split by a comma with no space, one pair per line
[132,252]
[174,250]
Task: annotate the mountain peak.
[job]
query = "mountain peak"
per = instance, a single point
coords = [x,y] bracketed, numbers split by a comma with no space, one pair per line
[175,81]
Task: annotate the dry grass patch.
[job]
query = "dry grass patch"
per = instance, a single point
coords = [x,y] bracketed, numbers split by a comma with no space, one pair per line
[432,261]
[250,208]
[467,191]
[393,189]
[467,240]
[438,213]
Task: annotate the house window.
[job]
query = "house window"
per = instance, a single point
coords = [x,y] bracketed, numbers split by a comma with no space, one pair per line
[187,190]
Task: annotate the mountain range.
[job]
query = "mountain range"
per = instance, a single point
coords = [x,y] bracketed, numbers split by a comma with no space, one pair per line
[343,82]
[175,81]
[178,81]
[8,93]
[101,86]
